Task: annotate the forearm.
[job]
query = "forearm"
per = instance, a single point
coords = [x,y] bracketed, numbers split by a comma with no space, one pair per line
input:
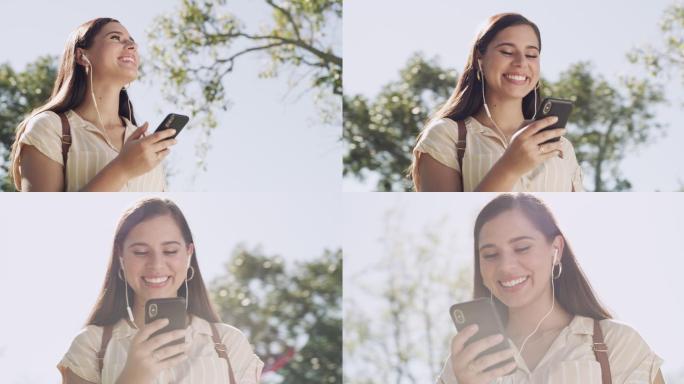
[112,178]
[500,178]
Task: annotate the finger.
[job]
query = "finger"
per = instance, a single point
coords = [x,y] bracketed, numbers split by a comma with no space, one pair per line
[490,359]
[164,353]
[162,135]
[498,372]
[472,350]
[161,155]
[172,362]
[163,144]
[139,132]
[154,343]
[458,341]
[151,328]
[550,150]
[542,137]
[538,126]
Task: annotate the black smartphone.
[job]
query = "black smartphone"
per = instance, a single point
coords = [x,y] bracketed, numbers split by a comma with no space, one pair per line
[173,121]
[172,308]
[483,313]
[554,107]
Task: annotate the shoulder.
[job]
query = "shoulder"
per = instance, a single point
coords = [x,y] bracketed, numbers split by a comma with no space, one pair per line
[46,119]
[231,335]
[442,127]
[630,356]
[88,338]
[619,335]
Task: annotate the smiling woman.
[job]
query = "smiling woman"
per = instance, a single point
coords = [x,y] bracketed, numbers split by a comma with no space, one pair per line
[85,137]
[154,257]
[482,138]
[558,331]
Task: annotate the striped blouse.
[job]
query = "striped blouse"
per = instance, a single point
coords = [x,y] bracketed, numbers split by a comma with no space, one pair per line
[484,147]
[203,365]
[90,151]
[570,359]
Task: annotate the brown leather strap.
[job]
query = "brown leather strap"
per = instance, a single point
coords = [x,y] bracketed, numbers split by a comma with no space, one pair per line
[66,144]
[461,147]
[106,336]
[601,352]
[221,351]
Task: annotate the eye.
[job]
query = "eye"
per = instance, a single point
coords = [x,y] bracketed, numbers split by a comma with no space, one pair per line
[532,56]
[139,253]
[171,252]
[522,249]
[489,256]
[506,53]
[117,37]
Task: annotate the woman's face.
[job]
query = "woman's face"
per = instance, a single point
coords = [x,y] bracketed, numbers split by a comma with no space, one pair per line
[155,258]
[114,54]
[516,259]
[511,62]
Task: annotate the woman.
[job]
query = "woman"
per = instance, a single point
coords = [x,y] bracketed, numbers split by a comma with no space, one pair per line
[480,140]
[154,256]
[551,315]
[85,137]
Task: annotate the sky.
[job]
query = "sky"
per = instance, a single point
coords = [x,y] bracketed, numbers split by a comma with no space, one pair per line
[271,139]
[629,249]
[601,32]
[55,264]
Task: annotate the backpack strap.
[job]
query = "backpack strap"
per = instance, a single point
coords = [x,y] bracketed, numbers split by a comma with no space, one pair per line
[461,146]
[221,351]
[106,336]
[601,351]
[66,144]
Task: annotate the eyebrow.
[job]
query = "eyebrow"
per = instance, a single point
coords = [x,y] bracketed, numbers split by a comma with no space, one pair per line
[119,33]
[513,45]
[140,243]
[513,240]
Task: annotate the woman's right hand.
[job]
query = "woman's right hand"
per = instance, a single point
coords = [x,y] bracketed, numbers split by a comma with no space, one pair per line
[526,150]
[140,155]
[147,356]
[469,369]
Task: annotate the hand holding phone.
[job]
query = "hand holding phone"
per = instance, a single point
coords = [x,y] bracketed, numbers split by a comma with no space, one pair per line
[479,352]
[554,107]
[173,121]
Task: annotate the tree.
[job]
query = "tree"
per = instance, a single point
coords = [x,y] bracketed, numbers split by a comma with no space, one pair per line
[398,332]
[667,58]
[197,47]
[608,120]
[20,93]
[292,314]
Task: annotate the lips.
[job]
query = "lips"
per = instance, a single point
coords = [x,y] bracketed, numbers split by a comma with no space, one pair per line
[513,284]
[127,60]
[156,281]
[516,78]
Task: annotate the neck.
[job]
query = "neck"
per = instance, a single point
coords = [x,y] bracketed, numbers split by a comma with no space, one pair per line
[506,112]
[107,96]
[523,320]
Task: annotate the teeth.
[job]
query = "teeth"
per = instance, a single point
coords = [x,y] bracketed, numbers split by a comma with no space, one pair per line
[127,59]
[155,280]
[513,283]
[516,77]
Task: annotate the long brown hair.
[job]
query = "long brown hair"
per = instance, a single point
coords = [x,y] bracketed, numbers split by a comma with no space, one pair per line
[466,99]
[111,304]
[70,87]
[572,289]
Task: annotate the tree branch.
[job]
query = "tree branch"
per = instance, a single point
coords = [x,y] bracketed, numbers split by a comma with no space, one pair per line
[288,15]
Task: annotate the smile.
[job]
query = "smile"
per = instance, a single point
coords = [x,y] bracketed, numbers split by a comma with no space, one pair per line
[513,283]
[156,282]
[127,59]
[516,78]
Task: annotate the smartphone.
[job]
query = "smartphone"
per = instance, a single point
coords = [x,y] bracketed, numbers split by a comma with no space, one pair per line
[483,313]
[554,107]
[172,308]
[173,121]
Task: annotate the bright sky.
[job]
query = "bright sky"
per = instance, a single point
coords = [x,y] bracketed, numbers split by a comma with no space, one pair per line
[55,265]
[633,265]
[269,140]
[598,31]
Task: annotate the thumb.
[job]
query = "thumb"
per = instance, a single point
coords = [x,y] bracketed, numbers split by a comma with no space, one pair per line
[139,132]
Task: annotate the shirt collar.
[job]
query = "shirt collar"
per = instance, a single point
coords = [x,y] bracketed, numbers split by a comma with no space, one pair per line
[582,325]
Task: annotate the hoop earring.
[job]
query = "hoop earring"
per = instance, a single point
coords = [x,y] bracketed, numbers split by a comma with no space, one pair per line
[192,275]
[560,270]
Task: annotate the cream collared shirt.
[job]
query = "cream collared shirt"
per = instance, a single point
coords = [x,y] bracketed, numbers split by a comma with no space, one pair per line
[203,365]
[570,359]
[90,151]
[484,147]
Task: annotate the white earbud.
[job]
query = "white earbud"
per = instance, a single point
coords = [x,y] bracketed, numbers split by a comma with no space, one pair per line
[555,256]
[479,64]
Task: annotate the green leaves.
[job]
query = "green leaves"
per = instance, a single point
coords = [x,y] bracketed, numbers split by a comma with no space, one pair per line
[282,306]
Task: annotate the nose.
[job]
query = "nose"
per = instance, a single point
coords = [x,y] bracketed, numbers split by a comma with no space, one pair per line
[507,261]
[130,44]
[155,259]
[519,59]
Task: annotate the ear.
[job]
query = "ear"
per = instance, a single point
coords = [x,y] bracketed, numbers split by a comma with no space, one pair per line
[559,244]
[191,250]
[81,57]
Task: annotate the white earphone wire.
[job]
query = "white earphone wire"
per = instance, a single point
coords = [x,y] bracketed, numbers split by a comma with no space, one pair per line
[553,303]
[128,305]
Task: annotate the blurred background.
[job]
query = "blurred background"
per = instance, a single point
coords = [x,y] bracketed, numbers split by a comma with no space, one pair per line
[260,79]
[409,257]
[272,263]
[622,64]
